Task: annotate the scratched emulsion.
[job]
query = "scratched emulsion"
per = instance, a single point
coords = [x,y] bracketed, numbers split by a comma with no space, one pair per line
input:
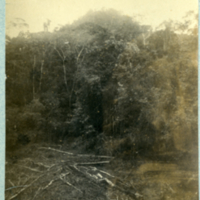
[103,108]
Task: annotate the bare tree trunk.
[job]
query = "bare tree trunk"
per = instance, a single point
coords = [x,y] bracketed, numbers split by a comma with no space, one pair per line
[41,70]
[74,79]
[64,67]
[64,70]
[34,63]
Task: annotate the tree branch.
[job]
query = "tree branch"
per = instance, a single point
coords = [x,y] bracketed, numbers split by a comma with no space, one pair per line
[63,58]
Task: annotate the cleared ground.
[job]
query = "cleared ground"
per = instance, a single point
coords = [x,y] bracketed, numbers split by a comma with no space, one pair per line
[49,172]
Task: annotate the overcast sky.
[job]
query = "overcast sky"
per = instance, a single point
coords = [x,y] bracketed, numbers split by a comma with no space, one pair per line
[36,12]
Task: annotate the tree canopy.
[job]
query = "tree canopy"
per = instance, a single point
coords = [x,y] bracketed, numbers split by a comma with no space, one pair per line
[105,76]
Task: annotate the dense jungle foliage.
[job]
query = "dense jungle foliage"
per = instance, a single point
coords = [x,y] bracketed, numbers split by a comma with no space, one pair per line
[106,82]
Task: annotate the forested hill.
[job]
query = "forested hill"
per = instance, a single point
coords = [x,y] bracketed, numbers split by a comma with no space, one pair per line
[107,83]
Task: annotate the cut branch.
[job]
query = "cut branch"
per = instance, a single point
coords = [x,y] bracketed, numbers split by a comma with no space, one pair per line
[61,178]
[20,186]
[50,183]
[49,148]
[119,185]
[36,193]
[25,188]
[72,154]
[94,163]
[95,169]
[11,182]
[35,170]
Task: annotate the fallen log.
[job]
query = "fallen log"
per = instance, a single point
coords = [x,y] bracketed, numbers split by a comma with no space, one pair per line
[94,163]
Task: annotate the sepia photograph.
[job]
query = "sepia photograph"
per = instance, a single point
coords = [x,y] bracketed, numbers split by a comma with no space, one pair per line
[101,100]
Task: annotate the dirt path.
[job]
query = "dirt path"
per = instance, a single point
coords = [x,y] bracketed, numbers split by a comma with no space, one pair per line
[44,172]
